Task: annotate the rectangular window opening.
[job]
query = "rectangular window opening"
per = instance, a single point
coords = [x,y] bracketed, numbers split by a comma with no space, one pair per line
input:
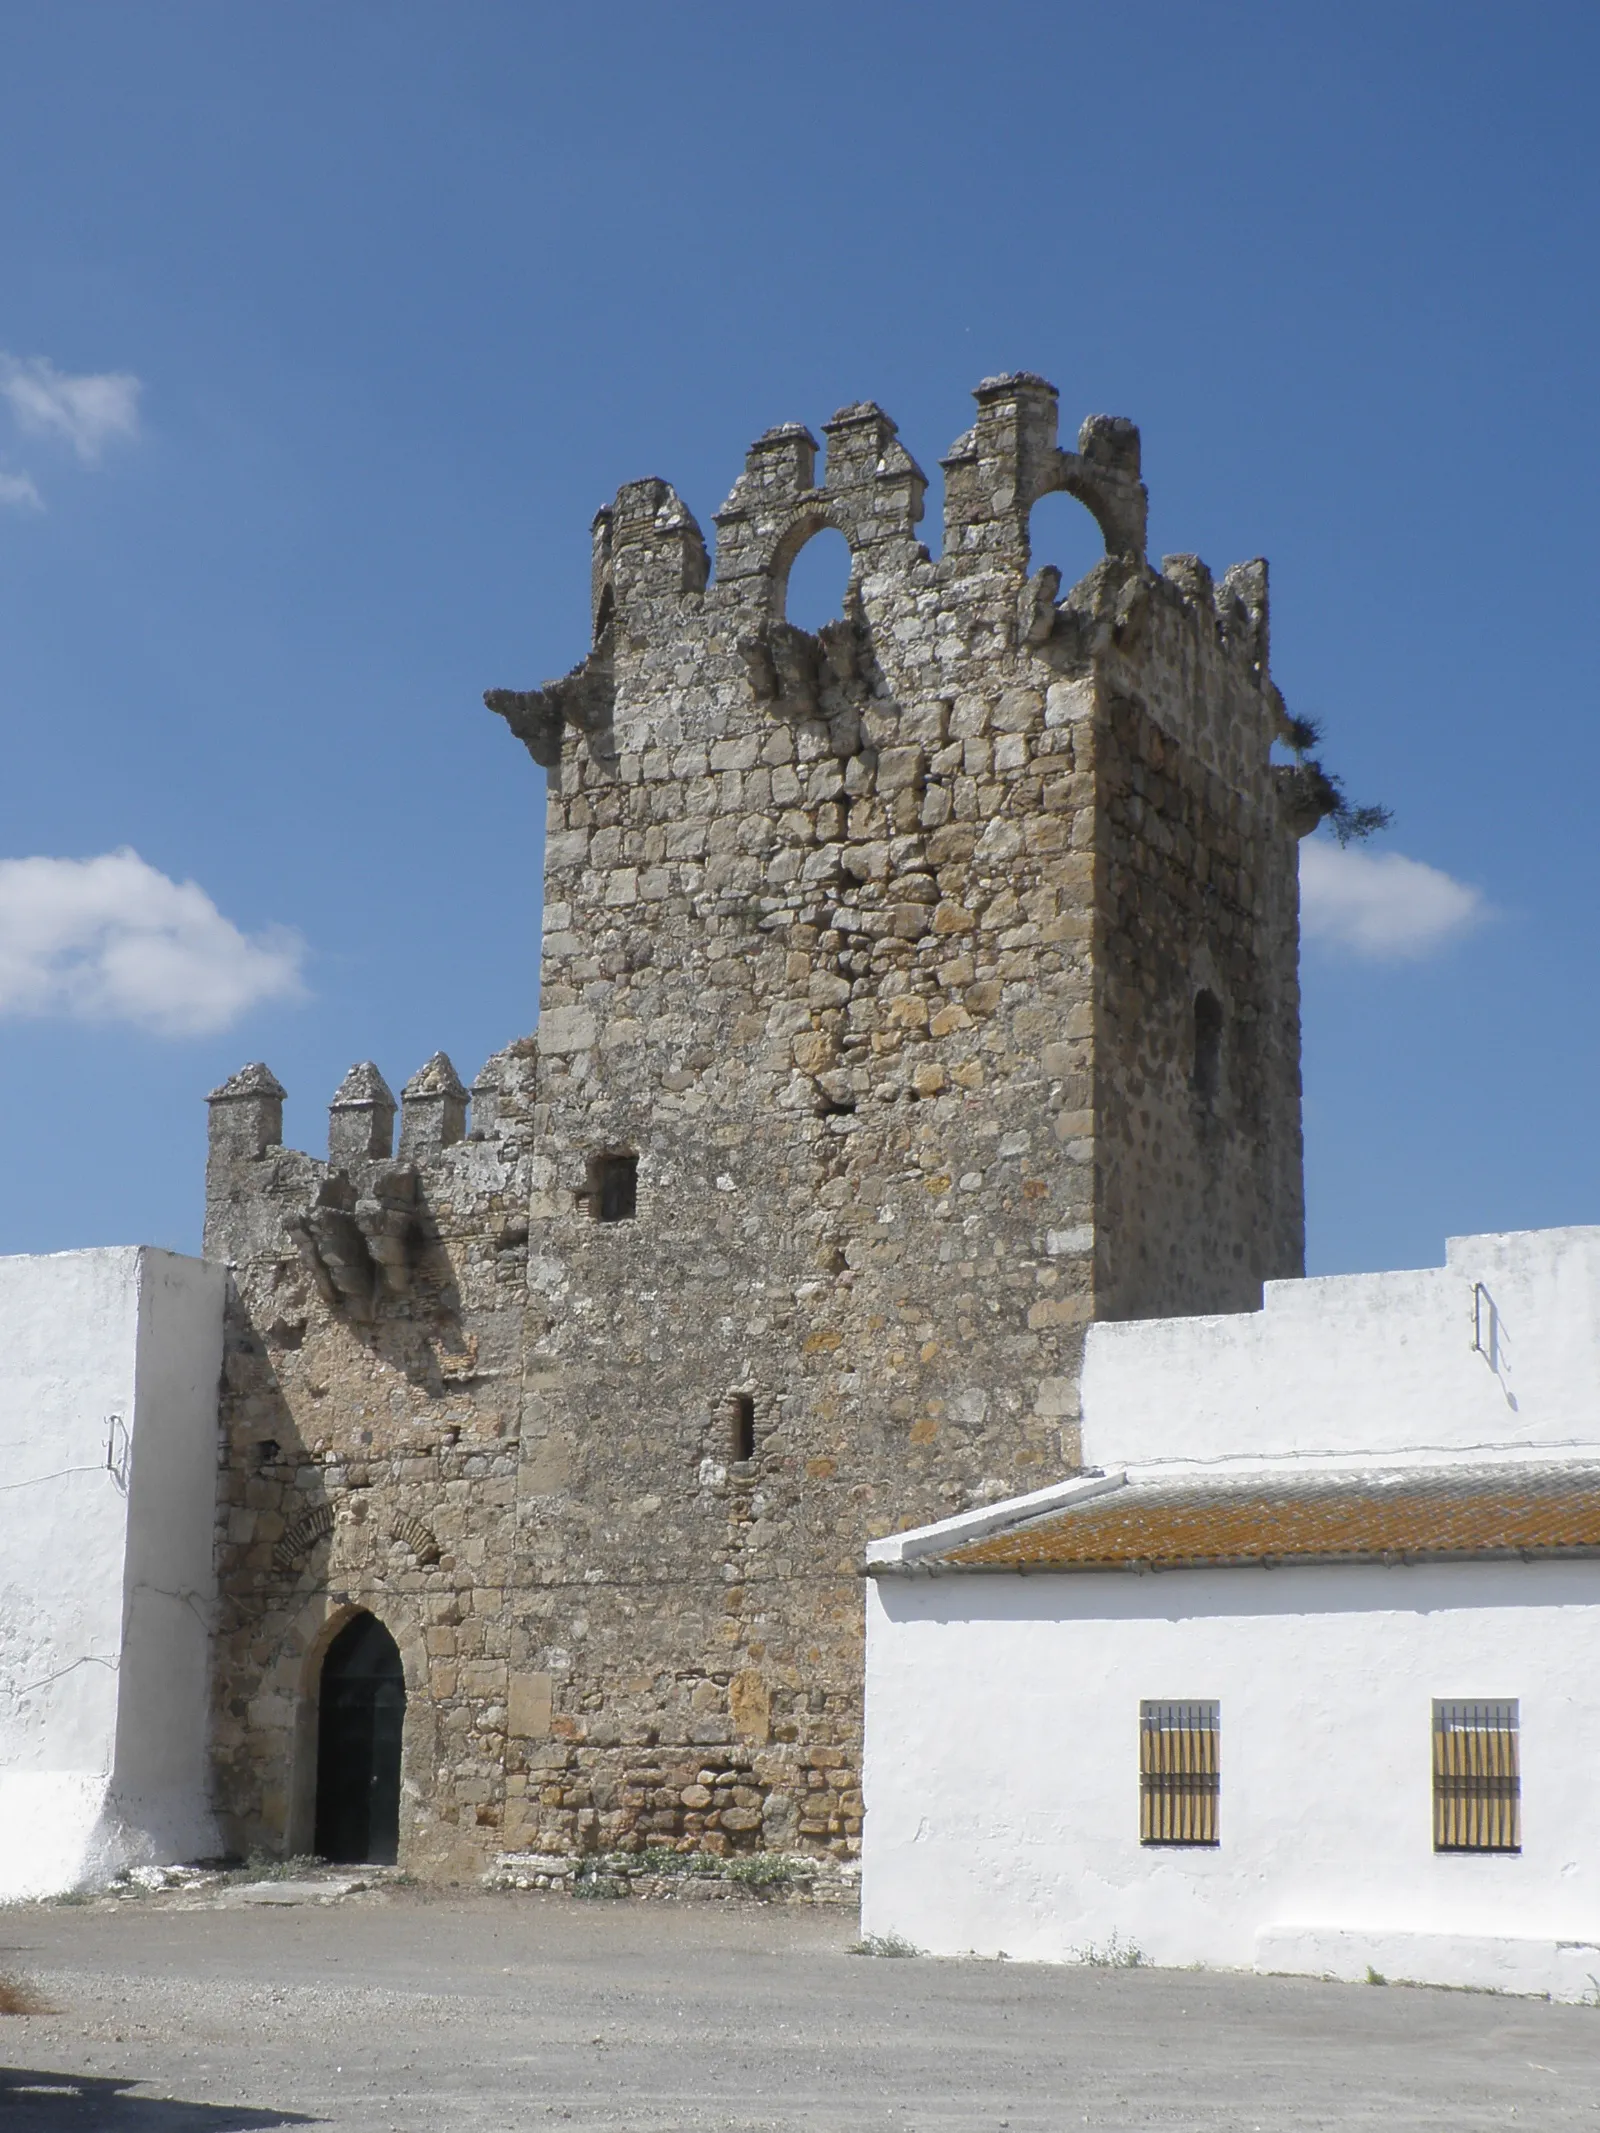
[742,1425]
[1179,1772]
[1477,1777]
[614,1187]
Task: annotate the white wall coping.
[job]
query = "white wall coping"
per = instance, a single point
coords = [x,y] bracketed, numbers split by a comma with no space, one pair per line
[1415,1458]
[901,1548]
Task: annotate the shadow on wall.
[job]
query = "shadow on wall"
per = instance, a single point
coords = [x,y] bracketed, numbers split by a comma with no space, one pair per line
[35,2102]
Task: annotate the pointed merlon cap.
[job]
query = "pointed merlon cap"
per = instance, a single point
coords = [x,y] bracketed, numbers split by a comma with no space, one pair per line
[1010,384]
[433,1109]
[364,1085]
[247,1114]
[361,1116]
[255,1080]
[437,1078]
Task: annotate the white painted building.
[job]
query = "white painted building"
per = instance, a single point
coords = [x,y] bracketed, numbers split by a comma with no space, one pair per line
[109,1363]
[1305,1677]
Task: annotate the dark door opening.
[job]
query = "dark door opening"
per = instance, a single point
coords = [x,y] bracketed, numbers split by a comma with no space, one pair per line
[361,1711]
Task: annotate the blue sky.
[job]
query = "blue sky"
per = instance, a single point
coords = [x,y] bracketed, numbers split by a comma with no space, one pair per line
[327,329]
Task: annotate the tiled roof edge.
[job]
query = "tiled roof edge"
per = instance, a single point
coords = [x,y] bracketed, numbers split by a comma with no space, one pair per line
[941,1565]
[899,1551]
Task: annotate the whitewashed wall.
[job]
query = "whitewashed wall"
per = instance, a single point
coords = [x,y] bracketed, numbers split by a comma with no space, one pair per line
[1367,1363]
[1002,1765]
[106,1585]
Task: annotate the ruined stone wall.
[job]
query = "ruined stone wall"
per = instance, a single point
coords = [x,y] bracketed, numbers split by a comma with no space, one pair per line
[872,957]
[372,1380]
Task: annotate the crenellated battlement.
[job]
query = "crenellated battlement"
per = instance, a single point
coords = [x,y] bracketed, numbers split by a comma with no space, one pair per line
[360,1219]
[906,615]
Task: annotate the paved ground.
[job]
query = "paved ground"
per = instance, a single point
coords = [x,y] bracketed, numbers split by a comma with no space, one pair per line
[482,2014]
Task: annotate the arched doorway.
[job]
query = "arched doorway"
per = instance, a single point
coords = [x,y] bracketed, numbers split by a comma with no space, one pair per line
[361,1710]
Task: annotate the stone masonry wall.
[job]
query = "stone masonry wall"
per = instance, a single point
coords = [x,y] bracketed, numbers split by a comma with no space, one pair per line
[874,956]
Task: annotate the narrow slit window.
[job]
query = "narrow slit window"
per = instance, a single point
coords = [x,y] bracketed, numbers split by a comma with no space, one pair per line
[614,1188]
[1179,1772]
[742,1425]
[1207,1046]
[1477,1778]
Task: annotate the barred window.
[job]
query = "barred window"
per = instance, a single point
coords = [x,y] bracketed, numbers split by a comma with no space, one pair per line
[1179,1772]
[1477,1778]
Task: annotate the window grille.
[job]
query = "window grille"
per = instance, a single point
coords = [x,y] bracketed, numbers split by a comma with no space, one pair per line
[1179,1772]
[1477,1778]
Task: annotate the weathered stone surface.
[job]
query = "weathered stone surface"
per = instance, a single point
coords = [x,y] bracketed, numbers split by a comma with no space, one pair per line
[875,1010]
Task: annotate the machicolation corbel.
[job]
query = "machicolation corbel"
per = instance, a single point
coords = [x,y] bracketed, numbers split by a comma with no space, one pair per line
[584,699]
[387,1216]
[333,1249]
[360,1246]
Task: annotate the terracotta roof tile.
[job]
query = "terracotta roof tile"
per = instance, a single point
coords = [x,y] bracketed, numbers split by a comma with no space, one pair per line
[1449,1511]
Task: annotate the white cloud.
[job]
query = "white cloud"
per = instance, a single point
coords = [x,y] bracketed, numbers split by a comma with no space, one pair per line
[89,411]
[112,940]
[18,493]
[1381,905]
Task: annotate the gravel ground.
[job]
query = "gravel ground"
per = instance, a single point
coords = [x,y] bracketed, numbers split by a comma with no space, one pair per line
[399,2012]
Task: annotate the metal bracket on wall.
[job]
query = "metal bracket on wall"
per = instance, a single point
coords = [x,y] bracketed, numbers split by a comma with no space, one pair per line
[1484,1324]
[118,1446]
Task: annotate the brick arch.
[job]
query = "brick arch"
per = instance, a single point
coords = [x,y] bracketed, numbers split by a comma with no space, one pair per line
[300,1538]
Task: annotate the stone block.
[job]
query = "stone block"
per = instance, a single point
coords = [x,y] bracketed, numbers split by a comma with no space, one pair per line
[566,1029]
[528,1706]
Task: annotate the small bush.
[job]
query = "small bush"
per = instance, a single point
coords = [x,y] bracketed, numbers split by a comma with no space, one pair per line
[663,1859]
[1116,1954]
[1375,1977]
[262,1866]
[884,1944]
[18,1997]
[597,1880]
[763,1870]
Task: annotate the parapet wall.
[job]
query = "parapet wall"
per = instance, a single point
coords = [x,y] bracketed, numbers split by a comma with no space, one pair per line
[1496,1350]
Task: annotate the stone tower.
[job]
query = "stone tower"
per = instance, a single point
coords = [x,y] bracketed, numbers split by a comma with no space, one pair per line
[913,992]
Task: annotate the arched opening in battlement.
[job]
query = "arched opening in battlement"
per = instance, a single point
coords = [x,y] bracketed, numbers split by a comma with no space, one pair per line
[1066,533]
[810,588]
